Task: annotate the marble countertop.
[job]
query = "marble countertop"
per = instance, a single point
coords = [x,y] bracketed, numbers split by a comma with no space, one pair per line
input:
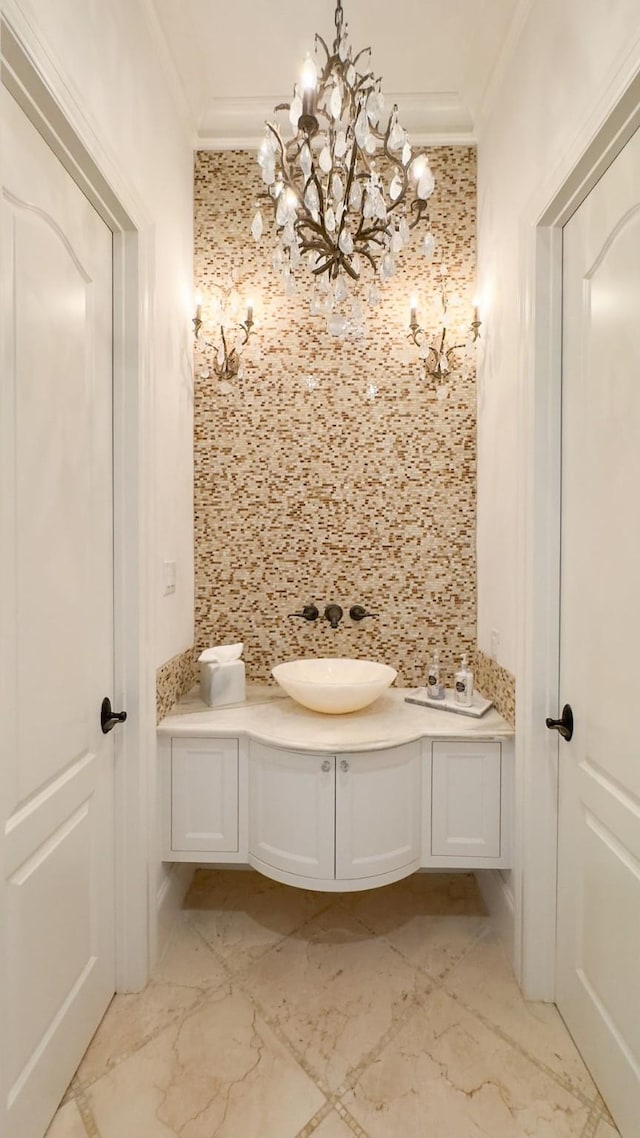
[269,716]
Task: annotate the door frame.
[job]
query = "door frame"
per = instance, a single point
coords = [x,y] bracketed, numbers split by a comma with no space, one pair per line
[599,142]
[32,79]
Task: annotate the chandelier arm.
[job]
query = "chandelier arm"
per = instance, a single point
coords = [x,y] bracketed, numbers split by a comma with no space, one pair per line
[363,51]
[313,177]
[276,134]
[370,259]
[347,192]
[398,164]
[319,40]
[348,268]
[319,269]
[375,233]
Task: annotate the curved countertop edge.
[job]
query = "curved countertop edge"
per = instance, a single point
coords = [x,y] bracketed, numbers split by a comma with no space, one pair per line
[268,716]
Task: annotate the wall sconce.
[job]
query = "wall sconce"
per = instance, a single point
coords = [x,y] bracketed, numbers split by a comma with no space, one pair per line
[438,359]
[233,336]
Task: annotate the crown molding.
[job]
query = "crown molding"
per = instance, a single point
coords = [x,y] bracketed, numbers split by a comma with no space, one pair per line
[489,97]
[183,107]
[431,120]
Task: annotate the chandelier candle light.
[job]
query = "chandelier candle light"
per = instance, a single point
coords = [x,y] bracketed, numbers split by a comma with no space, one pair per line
[346,191]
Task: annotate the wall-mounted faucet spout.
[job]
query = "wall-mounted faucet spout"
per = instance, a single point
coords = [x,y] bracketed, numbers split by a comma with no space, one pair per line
[333,613]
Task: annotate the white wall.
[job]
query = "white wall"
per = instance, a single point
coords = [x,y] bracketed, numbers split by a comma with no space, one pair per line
[557,84]
[106,56]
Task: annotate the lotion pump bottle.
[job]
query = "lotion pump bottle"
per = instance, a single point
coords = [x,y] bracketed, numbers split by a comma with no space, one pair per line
[463,684]
[433,676]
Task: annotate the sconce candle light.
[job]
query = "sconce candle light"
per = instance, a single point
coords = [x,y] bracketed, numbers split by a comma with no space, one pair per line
[438,359]
[226,358]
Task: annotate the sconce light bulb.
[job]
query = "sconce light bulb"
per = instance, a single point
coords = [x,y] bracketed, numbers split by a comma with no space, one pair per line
[292,199]
[198,302]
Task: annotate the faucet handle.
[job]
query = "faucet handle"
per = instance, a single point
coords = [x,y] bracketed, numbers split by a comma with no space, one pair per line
[358,612]
[309,612]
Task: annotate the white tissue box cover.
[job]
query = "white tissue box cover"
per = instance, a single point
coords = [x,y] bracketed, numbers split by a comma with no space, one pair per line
[221,654]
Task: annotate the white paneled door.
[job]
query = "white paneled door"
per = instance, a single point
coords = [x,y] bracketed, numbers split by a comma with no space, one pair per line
[56,598]
[598,989]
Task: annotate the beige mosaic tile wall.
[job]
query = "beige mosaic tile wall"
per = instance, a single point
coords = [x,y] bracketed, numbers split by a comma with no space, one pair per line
[336,494]
[497,684]
[174,679]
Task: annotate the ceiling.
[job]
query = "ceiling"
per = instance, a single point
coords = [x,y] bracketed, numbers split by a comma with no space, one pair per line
[233,62]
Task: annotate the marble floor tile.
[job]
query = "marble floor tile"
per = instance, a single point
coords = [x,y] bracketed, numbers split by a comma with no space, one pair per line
[433,919]
[437,944]
[130,1021]
[67,1123]
[388,909]
[332,1126]
[283,1013]
[484,981]
[189,961]
[335,990]
[241,914]
[606,1130]
[447,1074]
[219,1071]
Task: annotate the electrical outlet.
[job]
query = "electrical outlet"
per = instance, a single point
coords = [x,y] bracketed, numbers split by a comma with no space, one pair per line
[169,577]
[495,643]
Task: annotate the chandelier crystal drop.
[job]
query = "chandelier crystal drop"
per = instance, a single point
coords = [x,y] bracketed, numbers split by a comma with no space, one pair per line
[346,190]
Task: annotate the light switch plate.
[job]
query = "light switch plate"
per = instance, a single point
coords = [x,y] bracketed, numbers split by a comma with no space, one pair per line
[495,643]
[169,577]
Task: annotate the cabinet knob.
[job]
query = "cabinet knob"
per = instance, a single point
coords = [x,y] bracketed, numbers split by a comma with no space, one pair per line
[326,766]
[344,766]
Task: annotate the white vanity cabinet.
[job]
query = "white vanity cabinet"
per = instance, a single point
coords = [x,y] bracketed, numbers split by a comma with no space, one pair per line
[467,804]
[311,801]
[291,813]
[202,789]
[378,813]
[344,821]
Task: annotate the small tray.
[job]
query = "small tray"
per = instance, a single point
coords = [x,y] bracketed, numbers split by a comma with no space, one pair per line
[475,710]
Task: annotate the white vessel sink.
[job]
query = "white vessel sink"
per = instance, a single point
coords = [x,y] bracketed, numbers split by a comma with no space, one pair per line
[334,685]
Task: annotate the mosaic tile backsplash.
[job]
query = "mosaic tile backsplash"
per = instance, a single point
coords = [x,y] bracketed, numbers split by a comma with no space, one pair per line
[173,680]
[333,471]
[497,684]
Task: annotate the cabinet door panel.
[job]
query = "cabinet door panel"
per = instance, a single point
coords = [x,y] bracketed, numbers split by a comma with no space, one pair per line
[204,795]
[465,799]
[378,812]
[291,811]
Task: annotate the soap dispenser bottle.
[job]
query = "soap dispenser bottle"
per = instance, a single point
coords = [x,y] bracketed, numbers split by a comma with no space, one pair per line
[463,684]
[433,676]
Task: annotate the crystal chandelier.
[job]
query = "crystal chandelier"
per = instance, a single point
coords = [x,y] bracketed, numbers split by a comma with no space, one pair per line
[346,190]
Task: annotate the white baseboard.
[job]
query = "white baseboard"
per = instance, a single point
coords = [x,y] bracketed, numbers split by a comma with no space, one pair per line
[498,897]
[169,900]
